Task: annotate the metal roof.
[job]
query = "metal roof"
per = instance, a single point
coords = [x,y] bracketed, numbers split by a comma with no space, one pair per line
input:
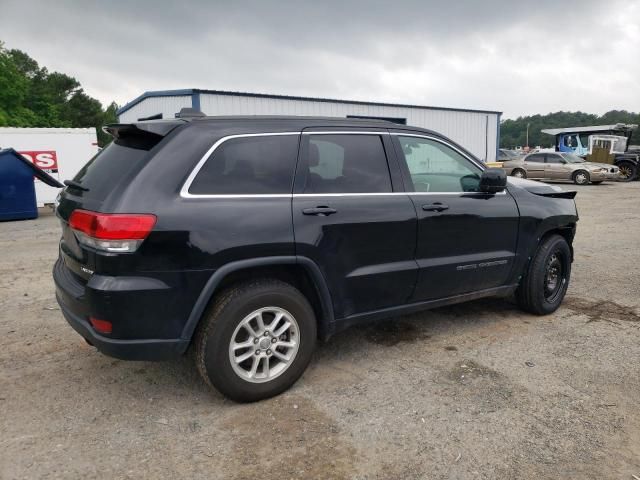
[195,91]
[593,128]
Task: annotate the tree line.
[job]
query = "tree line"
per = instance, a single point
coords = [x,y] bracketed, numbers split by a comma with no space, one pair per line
[31,96]
[513,133]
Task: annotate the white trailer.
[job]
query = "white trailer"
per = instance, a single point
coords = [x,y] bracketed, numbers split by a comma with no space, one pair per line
[60,152]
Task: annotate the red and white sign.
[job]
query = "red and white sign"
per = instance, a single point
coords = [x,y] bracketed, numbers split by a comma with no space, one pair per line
[46,160]
[61,152]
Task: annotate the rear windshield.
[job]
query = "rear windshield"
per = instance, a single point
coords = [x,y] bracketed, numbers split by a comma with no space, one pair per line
[109,166]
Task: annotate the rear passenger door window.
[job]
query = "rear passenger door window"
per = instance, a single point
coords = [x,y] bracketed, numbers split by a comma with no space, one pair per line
[343,163]
[249,165]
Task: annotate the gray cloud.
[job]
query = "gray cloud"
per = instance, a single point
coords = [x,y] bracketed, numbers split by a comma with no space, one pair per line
[521,58]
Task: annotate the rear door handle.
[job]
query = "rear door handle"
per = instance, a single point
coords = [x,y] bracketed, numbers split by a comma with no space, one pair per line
[435,207]
[320,211]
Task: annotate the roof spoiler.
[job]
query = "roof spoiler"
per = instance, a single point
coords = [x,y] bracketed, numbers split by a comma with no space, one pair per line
[188,112]
[120,130]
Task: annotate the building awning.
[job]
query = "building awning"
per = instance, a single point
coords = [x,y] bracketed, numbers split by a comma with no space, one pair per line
[594,128]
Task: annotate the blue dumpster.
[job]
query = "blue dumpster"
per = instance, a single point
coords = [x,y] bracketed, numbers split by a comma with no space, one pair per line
[17,191]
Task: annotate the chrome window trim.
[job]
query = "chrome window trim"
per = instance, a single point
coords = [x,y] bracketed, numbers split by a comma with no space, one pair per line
[184,191]
[345,132]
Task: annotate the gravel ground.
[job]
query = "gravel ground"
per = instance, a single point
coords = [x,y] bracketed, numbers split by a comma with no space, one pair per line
[478,390]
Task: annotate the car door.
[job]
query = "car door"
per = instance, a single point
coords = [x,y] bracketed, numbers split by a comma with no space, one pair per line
[466,239]
[534,165]
[353,220]
[555,168]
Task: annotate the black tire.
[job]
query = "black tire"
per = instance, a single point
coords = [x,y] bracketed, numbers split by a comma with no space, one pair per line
[535,295]
[630,171]
[220,324]
[519,172]
[598,182]
[581,177]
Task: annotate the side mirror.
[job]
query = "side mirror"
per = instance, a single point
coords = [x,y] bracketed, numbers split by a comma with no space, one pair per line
[493,180]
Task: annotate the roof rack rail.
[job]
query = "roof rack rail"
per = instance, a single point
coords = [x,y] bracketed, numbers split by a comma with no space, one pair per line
[188,112]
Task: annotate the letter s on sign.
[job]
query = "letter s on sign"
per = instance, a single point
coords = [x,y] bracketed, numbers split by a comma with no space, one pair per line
[46,160]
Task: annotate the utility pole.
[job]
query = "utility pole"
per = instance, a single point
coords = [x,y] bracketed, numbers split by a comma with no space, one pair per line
[528,135]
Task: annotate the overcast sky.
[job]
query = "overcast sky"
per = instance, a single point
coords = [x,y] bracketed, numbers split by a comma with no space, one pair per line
[517,57]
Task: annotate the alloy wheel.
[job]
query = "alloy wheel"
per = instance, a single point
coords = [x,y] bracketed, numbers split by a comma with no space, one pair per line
[264,344]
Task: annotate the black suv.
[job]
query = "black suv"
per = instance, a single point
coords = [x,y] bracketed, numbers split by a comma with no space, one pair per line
[245,239]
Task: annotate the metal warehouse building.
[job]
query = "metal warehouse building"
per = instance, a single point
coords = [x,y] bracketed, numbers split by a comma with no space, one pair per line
[476,130]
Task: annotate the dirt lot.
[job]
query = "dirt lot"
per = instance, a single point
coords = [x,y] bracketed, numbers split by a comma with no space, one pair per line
[473,391]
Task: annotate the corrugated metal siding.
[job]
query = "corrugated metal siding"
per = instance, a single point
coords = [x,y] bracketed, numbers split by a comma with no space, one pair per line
[473,130]
[168,106]
[476,131]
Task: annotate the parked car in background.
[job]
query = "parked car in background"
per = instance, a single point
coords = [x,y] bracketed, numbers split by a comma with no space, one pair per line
[560,167]
[246,239]
[601,143]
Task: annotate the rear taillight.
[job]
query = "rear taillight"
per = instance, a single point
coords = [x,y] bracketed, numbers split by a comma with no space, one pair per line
[111,232]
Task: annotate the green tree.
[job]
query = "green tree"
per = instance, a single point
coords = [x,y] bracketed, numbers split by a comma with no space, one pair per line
[31,96]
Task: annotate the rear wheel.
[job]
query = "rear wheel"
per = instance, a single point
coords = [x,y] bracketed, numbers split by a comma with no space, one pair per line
[519,173]
[628,171]
[543,288]
[256,340]
[581,177]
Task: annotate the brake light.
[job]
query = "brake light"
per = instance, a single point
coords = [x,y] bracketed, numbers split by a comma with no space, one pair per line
[111,232]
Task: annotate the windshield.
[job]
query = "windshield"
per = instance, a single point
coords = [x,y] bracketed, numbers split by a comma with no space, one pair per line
[571,158]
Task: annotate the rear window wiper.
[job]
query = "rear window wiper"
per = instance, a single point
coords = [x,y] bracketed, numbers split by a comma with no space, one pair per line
[74,184]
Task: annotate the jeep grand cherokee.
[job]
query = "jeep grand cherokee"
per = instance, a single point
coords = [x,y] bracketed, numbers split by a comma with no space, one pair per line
[246,239]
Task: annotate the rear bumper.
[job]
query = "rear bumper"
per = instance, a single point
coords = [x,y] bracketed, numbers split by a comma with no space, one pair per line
[151,349]
[76,308]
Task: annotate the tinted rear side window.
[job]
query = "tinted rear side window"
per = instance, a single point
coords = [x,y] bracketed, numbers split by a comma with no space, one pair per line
[249,165]
[110,166]
[346,164]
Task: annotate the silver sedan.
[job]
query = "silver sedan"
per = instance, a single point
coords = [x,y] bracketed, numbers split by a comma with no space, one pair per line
[560,166]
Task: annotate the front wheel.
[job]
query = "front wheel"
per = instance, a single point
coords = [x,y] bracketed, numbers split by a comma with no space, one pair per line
[545,284]
[256,340]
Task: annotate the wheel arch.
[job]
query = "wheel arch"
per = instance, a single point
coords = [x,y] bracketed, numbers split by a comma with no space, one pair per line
[301,272]
[567,231]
